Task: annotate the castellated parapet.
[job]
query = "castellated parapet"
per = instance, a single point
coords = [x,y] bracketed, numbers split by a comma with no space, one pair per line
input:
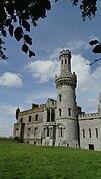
[69,79]
[88,116]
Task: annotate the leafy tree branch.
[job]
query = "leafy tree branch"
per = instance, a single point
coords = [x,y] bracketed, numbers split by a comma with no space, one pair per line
[18,16]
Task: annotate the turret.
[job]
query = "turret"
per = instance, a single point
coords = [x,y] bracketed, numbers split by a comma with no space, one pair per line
[65,60]
[66,132]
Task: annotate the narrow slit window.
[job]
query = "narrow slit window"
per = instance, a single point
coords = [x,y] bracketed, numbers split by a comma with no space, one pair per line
[59,112]
[47,131]
[83,133]
[69,112]
[60,97]
[90,133]
[96,130]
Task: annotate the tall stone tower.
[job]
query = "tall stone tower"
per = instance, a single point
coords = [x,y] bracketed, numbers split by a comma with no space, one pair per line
[66,119]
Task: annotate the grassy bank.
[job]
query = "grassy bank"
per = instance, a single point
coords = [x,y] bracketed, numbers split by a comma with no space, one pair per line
[25,161]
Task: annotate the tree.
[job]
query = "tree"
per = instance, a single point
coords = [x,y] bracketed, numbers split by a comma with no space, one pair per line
[17,16]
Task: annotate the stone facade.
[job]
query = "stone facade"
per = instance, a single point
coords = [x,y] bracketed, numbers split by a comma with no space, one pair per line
[60,122]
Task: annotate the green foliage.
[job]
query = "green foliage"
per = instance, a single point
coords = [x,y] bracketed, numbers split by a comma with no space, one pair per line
[88,7]
[27,161]
[17,16]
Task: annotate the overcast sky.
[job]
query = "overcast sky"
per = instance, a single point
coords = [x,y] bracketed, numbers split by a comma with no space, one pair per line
[24,81]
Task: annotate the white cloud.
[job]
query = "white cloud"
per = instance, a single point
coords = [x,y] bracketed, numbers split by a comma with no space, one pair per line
[43,70]
[75,46]
[87,79]
[84,78]
[9,79]
[9,110]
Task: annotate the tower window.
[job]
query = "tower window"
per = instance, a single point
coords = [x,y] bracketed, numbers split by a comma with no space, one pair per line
[65,61]
[62,62]
[59,112]
[60,97]
[69,112]
[68,61]
[96,130]
[90,133]
[83,133]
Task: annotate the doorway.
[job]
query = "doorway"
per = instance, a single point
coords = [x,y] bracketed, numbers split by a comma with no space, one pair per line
[91,146]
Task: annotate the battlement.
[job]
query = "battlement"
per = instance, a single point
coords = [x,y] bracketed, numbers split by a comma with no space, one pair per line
[69,79]
[34,109]
[65,52]
[88,116]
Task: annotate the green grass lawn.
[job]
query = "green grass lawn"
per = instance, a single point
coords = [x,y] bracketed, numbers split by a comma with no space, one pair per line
[25,161]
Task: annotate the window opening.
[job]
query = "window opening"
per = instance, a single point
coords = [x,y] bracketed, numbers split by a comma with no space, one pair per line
[90,133]
[30,118]
[47,131]
[52,115]
[60,97]
[28,132]
[69,111]
[59,112]
[83,133]
[60,132]
[48,115]
[36,117]
[35,131]
[96,130]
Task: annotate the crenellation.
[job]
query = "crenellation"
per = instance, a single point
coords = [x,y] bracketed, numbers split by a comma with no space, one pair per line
[87,116]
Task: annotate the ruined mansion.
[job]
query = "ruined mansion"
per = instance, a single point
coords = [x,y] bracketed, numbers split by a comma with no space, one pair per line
[60,122]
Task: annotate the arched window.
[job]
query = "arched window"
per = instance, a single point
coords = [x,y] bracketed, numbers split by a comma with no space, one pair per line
[59,112]
[65,61]
[60,97]
[69,112]
[60,132]
[61,61]
[96,130]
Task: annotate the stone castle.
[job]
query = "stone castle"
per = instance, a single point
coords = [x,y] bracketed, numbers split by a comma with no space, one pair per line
[60,122]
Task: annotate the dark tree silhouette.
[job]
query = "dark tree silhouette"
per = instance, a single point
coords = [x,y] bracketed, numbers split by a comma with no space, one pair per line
[17,17]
